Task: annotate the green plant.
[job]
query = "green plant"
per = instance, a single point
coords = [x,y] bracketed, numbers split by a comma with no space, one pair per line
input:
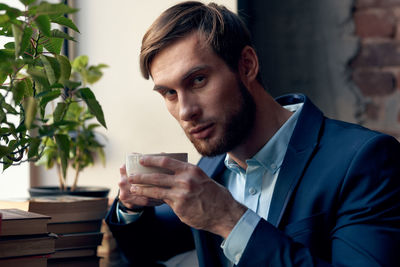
[46,108]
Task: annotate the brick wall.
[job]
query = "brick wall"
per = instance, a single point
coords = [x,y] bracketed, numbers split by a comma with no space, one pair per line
[376,68]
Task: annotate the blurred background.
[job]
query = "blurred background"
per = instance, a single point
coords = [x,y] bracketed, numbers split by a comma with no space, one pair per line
[343,54]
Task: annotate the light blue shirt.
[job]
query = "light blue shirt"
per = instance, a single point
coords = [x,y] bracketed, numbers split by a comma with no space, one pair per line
[247,187]
[254,186]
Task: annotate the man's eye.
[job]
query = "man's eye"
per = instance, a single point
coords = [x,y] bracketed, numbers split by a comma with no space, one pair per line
[198,80]
[168,93]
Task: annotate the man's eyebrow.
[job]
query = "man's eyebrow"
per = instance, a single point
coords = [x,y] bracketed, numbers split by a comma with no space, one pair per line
[184,77]
[193,70]
[159,87]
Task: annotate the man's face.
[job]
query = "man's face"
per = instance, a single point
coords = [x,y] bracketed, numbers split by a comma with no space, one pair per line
[207,99]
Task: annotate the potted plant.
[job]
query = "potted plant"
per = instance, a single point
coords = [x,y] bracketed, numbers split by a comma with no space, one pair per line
[46,107]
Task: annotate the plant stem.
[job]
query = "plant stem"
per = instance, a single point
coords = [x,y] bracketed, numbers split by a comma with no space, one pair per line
[73,187]
[60,177]
[77,170]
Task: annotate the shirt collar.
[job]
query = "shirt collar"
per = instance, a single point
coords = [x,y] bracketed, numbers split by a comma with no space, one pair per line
[272,153]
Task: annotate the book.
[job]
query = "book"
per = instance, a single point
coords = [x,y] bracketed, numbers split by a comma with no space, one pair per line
[75,227]
[78,240]
[26,245]
[74,253]
[31,261]
[70,208]
[20,222]
[66,208]
[15,203]
[75,220]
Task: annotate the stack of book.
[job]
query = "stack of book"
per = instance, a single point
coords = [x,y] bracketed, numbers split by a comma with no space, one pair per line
[76,221]
[24,239]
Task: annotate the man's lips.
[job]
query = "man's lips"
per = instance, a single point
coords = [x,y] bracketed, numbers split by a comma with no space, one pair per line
[202,131]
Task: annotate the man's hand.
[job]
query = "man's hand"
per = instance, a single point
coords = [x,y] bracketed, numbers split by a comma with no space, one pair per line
[195,198]
[132,200]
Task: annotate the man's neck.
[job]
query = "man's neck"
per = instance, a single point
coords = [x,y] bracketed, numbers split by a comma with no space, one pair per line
[270,116]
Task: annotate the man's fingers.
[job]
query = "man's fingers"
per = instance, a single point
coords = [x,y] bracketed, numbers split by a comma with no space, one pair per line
[156,179]
[145,201]
[153,192]
[163,162]
[123,183]
[122,170]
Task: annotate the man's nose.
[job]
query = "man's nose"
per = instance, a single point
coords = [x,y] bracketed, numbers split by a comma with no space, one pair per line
[189,108]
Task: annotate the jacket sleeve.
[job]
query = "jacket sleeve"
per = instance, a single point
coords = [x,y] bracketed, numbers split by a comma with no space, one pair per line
[156,236]
[365,222]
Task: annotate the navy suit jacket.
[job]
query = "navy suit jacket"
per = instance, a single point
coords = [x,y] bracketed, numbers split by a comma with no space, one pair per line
[336,202]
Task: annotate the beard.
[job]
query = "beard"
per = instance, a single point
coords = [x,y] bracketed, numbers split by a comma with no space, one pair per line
[236,127]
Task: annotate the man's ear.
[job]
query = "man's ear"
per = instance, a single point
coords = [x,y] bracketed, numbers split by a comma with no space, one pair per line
[248,65]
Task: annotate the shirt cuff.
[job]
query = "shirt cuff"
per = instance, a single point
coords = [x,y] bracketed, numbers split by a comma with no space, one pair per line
[237,240]
[127,218]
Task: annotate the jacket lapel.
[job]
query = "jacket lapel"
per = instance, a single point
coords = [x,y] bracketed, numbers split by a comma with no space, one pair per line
[213,166]
[208,245]
[301,146]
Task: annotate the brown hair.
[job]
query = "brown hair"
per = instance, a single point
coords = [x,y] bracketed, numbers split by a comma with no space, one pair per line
[221,28]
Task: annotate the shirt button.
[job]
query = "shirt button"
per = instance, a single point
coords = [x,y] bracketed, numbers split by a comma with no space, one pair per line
[273,166]
[237,257]
[252,191]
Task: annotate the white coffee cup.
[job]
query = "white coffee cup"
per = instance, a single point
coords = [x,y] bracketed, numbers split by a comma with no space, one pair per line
[133,165]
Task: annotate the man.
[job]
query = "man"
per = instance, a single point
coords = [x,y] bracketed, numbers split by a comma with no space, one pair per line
[279,183]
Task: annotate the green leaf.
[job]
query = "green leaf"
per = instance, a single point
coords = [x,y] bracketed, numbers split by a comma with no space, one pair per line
[17,32]
[62,142]
[4,131]
[39,76]
[74,111]
[12,13]
[43,23]
[61,20]
[4,150]
[48,96]
[59,111]
[9,109]
[19,91]
[65,67]
[6,55]
[6,62]
[53,9]
[72,84]
[3,116]
[52,68]
[4,6]
[54,45]
[48,156]
[57,85]
[94,106]
[80,63]
[20,129]
[30,111]
[7,163]
[6,30]
[33,147]
[3,77]
[29,52]
[92,126]
[27,2]
[26,37]
[59,34]
[29,87]
[93,74]
[4,18]
[10,45]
